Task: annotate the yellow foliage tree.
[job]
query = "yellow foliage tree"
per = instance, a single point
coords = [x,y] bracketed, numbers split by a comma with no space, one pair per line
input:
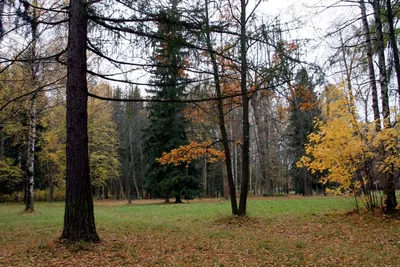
[342,150]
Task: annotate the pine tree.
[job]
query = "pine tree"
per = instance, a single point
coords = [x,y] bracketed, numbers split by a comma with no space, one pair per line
[166,129]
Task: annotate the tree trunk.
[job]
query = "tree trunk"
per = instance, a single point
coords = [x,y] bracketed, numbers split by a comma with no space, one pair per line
[225,141]
[30,179]
[245,105]
[262,145]
[371,71]
[393,41]
[51,189]
[79,223]
[121,186]
[128,189]
[133,162]
[29,198]
[389,188]
[178,199]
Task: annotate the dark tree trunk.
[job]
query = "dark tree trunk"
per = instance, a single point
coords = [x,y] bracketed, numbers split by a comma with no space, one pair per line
[128,189]
[178,199]
[371,71]
[245,105]
[79,221]
[225,141]
[51,189]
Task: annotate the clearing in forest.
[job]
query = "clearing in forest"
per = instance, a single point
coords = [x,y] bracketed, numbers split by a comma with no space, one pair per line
[278,231]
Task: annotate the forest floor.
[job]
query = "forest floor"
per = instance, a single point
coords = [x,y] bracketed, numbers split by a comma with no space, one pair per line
[279,231]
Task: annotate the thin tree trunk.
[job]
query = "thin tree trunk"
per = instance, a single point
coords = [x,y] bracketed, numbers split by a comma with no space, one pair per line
[225,141]
[51,189]
[79,223]
[30,182]
[245,105]
[382,65]
[133,163]
[29,199]
[393,41]
[371,71]
[204,177]
[121,187]
[262,146]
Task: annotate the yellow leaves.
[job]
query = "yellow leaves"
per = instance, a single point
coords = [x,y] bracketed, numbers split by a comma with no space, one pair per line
[339,148]
[388,139]
[343,146]
[186,154]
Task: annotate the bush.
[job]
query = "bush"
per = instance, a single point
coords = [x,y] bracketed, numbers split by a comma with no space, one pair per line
[44,195]
[39,195]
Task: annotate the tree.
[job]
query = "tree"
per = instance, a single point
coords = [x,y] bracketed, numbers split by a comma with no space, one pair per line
[303,113]
[389,186]
[103,142]
[340,151]
[79,221]
[166,129]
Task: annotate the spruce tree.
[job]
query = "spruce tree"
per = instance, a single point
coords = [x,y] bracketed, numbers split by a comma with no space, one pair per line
[303,111]
[166,129]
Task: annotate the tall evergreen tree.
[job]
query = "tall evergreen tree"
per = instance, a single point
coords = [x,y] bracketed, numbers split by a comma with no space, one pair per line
[166,129]
[301,123]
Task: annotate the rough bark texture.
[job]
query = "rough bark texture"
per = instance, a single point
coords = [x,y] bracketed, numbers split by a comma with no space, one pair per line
[371,71]
[79,221]
[245,105]
[225,143]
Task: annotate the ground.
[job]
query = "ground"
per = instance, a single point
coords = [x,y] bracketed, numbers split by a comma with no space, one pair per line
[280,231]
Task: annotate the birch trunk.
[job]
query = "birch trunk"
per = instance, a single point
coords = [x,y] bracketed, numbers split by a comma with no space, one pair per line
[393,41]
[30,181]
[29,199]
[389,186]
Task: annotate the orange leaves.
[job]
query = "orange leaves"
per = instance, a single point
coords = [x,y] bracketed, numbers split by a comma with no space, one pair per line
[304,98]
[284,49]
[186,154]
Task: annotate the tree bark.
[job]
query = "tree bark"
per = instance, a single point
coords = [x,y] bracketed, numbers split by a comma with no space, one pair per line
[371,71]
[30,182]
[225,141]
[245,119]
[79,223]
[393,41]
[29,198]
[389,188]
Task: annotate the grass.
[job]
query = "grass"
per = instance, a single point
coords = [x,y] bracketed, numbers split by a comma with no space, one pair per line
[282,231]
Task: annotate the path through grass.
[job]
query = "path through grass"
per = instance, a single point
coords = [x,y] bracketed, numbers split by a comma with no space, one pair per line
[279,231]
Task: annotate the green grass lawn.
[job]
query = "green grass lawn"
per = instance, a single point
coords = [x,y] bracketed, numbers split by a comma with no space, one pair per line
[279,231]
